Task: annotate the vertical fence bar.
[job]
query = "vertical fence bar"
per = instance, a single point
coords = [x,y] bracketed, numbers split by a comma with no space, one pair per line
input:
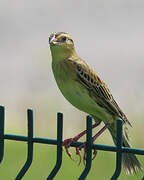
[1,133]
[119,150]
[59,146]
[30,146]
[88,149]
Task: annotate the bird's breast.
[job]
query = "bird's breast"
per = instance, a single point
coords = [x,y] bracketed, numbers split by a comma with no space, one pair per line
[77,94]
[71,89]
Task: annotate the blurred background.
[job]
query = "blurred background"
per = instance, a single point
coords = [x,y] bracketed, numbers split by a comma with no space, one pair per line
[109,35]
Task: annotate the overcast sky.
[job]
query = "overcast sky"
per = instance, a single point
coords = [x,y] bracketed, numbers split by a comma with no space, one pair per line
[108,35]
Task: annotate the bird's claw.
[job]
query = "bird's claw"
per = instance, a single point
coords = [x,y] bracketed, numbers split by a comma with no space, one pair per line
[83,146]
[79,154]
[94,154]
[66,144]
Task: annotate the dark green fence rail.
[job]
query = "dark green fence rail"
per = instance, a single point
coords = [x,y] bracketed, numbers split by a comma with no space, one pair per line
[58,142]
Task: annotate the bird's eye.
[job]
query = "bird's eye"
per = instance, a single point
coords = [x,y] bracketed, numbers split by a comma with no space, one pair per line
[64,39]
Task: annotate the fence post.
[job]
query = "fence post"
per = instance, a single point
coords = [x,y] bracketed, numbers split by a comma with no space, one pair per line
[119,150]
[59,146]
[30,146]
[88,149]
[2,116]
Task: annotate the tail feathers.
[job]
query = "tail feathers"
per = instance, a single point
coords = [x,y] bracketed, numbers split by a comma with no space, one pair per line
[130,162]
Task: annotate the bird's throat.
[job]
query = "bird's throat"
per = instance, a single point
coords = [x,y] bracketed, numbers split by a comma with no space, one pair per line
[60,53]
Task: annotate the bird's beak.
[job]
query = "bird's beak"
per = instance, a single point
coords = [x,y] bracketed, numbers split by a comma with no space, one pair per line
[52,39]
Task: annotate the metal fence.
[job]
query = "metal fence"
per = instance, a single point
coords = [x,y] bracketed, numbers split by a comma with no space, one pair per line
[58,142]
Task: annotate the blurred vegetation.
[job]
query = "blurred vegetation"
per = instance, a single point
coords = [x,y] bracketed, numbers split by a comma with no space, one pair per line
[44,160]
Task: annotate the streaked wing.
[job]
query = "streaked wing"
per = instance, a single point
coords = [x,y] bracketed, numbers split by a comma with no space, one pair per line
[97,89]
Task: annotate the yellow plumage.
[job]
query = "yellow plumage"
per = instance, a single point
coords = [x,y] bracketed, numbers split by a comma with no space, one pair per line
[82,87]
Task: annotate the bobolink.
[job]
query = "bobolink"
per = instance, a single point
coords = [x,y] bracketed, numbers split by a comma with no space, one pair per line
[82,87]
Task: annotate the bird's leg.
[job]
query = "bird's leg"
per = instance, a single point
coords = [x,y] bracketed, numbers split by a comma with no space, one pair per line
[93,139]
[67,142]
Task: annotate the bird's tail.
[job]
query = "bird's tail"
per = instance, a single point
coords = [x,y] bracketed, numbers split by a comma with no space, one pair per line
[130,162]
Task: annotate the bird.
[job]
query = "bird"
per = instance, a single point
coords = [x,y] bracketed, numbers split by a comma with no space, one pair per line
[86,91]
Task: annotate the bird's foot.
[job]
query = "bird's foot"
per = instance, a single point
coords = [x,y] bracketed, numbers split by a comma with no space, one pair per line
[83,146]
[78,152]
[66,144]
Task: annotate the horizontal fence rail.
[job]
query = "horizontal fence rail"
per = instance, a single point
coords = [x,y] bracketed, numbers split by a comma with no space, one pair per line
[59,141]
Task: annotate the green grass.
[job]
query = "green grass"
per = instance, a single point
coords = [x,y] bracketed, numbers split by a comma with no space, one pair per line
[44,160]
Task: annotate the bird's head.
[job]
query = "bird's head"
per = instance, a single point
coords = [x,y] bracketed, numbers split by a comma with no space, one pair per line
[61,45]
